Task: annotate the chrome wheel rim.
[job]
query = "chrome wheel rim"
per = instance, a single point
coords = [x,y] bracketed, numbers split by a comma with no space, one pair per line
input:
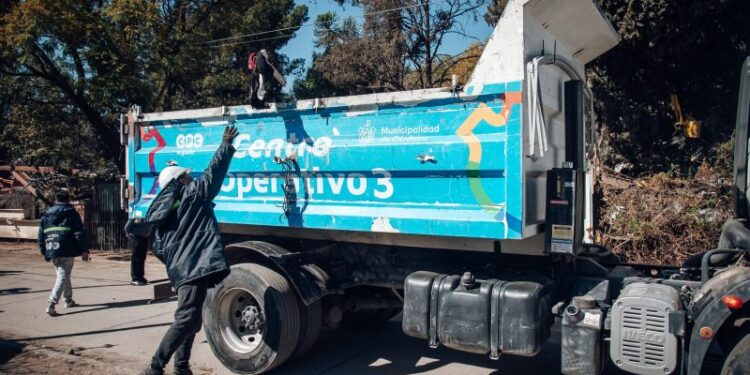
[242,320]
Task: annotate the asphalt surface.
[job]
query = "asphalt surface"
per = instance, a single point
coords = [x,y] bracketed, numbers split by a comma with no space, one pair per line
[116,325]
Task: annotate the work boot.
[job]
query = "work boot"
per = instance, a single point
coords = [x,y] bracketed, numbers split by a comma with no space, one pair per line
[51,310]
[151,371]
[182,371]
[70,303]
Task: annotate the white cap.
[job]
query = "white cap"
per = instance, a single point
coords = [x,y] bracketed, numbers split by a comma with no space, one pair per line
[170,173]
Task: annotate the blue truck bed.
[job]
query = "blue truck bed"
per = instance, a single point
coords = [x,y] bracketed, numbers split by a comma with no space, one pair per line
[464,163]
[447,165]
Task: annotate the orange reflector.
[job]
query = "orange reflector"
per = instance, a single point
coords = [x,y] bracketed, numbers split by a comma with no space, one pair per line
[706,332]
[732,302]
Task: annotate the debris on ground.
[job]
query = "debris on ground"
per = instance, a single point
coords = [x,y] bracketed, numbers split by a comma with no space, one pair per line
[663,219]
[18,359]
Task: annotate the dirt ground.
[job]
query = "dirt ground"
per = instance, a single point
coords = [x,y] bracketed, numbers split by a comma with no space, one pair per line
[22,359]
[115,330]
[19,359]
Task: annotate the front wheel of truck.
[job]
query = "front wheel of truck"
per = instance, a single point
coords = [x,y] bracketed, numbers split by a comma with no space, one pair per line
[252,319]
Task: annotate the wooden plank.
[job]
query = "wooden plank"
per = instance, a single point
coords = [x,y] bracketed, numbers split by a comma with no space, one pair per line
[19,229]
[14,213]
[24,179]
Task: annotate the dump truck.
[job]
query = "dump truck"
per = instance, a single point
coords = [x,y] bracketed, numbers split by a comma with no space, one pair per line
[468,209]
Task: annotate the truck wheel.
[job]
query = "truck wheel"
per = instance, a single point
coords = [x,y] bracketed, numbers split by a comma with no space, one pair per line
[368,319]
[311,325]
[252,319]
[738,360]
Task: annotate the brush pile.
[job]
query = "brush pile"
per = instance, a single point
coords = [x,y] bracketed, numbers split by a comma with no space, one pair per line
[663,219]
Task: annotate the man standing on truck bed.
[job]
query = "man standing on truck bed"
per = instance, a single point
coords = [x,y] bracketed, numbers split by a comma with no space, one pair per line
[188,242]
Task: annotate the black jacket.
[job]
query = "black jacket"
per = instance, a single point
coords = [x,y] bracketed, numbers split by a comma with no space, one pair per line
[61,233]
[187,238]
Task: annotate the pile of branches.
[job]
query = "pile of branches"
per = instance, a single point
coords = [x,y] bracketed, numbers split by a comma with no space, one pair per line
[662,219]
[44,182]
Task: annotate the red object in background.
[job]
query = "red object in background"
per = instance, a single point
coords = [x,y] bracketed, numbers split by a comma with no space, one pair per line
[251,61]
[732,302]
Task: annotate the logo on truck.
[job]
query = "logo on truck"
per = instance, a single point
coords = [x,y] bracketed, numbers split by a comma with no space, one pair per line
[643,336]
[311,180]
[188,142]
[466,132]
[160,144]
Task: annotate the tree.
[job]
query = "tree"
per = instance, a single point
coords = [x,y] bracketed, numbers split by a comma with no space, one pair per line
[94,59]
[398,48]
[692,49]
[495,11]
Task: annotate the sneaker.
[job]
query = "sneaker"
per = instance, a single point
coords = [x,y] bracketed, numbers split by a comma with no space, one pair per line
[182,371]
[51,310]
[151,371]
[139,282]
[70,303]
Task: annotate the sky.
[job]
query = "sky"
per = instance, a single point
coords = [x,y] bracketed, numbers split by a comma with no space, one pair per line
[301,46]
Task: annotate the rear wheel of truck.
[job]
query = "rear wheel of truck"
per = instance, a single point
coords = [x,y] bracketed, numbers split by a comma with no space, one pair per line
[252,319]
[737,362]
[311,325]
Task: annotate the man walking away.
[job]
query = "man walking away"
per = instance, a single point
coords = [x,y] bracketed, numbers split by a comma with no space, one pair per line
[61,238]
[188,242]
[138,247]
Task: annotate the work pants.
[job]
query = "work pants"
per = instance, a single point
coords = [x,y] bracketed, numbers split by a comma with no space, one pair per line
[187,322]
[138,247]
[62,287]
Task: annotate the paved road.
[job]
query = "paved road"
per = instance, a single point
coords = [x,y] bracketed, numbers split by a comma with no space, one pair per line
[115,324]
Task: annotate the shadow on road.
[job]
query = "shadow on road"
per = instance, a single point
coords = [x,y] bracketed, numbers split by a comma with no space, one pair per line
[9,349]
[104,306]
[97,332]
[390,351]
[6,273]
[29,291]
[14,291]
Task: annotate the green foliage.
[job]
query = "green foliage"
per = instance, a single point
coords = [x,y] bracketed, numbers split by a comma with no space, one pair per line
[72,66]
[495,11]
[394,51]
[693,49]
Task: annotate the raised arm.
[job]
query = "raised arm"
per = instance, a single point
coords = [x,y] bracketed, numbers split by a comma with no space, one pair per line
[209,184]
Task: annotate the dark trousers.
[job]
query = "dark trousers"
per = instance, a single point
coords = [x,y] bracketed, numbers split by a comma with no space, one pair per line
[138,248]
[187,322]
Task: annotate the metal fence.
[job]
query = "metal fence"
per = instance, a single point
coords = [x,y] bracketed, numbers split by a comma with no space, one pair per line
[106,219]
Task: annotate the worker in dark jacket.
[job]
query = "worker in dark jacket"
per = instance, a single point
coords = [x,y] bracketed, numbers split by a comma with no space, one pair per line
[138,247]
[61,238]
[188,241]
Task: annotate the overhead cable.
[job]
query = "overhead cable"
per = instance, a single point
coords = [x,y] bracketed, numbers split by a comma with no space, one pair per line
[297,27]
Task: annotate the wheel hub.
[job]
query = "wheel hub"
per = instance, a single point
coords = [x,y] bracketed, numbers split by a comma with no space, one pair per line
[252,319]
[242,320]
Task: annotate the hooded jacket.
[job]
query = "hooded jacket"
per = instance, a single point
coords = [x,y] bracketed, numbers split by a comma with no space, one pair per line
[61,233]
[186,233]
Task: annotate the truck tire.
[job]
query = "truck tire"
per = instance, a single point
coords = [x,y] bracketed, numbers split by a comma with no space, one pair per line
[738,360]
[311,325]
[252,319]
[368,319]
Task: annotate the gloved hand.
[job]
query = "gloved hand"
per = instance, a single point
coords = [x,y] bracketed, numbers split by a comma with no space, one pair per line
[230,132]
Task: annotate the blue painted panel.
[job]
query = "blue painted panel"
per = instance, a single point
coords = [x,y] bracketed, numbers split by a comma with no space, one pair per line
[443,167]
